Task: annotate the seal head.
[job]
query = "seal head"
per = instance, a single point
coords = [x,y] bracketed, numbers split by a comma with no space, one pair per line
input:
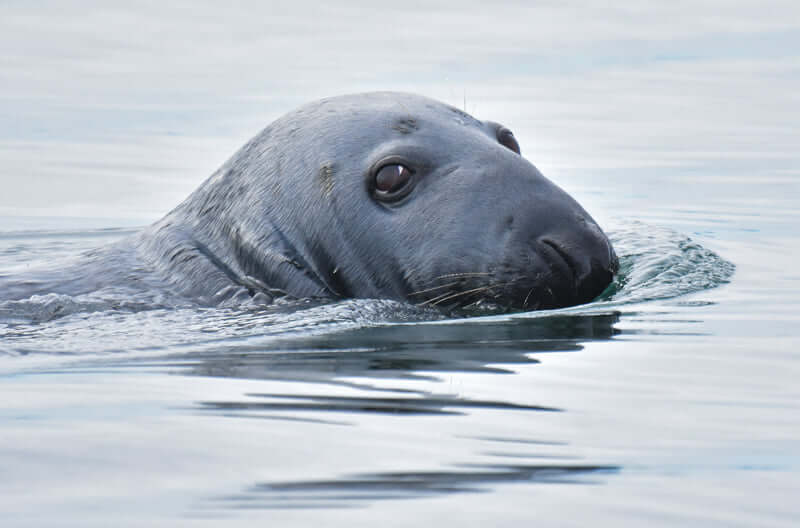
[385,195]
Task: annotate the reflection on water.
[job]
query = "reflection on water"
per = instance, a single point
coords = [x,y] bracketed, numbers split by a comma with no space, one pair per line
[370,361]
[394,406]
[367,360]
[404,350]
[350,489]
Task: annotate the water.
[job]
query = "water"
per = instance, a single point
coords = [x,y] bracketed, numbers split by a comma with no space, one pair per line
[672,400]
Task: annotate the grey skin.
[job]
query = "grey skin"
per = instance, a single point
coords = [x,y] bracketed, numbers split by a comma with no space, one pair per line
[296,212]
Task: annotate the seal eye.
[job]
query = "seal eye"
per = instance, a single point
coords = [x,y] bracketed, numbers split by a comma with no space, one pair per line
[392,182]
[507,139]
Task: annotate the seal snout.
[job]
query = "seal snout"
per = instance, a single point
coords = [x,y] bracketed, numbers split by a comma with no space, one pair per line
[581,263]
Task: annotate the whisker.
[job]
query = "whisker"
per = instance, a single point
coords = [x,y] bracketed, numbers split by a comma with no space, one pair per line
[437,298]
[454,276]
[525,302]
[465,274]
[459,294]
[433,288]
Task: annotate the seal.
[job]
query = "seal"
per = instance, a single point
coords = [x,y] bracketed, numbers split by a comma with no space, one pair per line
[378,195]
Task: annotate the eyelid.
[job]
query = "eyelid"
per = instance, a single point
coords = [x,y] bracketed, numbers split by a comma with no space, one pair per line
[393,159]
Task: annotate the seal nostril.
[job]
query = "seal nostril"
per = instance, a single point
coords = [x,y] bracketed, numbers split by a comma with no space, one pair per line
[564,257]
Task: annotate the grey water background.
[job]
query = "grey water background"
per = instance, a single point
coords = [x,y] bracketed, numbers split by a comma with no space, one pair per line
[671,401]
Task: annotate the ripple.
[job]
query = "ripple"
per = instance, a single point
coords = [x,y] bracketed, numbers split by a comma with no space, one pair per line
[658,263]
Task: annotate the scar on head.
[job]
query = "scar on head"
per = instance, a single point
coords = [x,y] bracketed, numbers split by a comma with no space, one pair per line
[325,176]
[406,125]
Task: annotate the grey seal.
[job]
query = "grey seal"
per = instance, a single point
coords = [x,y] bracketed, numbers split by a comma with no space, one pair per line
[376,195]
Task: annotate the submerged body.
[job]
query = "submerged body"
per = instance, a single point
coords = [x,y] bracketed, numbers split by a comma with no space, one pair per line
[379,195]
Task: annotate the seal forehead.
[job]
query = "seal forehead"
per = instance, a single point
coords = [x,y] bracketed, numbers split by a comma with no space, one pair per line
[405,109]
[463,118]
[408,124]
